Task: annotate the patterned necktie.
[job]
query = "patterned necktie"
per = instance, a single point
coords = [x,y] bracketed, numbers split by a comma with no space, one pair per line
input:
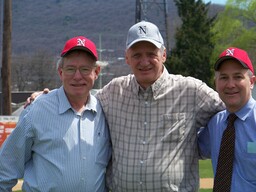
[223,177]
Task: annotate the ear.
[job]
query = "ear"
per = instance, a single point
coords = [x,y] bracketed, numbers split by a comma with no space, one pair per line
[164,55]
[252,81]
[126,57]
[97,72]
[60,73]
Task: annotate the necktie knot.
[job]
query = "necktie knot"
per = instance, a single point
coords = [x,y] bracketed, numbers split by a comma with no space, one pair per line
[231,118]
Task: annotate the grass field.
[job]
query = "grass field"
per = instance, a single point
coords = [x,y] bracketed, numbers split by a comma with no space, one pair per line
[205,171]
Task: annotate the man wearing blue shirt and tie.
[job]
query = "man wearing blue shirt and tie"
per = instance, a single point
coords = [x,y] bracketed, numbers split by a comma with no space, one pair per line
[233,165]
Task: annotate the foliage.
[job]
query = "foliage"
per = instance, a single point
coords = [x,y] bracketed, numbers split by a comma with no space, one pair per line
[236,26]
[191,54]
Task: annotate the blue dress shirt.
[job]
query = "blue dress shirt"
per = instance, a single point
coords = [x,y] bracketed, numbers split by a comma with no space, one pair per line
[244,170]
[55,149]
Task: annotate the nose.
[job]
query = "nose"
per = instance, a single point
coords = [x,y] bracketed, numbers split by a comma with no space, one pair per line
[145,60]
[230,83]
[77,74]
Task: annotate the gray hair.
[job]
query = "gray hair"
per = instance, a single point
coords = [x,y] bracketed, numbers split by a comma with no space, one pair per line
[249,72]
[60,61]
[162,48]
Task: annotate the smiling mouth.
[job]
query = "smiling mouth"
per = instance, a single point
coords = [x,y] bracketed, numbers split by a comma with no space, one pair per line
[231,94]
[78,85]
[148,69]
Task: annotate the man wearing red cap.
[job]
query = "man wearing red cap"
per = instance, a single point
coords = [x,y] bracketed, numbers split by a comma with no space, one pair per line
[61,142]
[234,80]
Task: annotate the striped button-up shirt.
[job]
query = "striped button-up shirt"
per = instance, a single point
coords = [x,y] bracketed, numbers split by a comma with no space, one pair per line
[154,132]
[56,149]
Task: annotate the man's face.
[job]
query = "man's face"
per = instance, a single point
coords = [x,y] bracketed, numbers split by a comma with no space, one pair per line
[234,84]
[146,62]
[78,74]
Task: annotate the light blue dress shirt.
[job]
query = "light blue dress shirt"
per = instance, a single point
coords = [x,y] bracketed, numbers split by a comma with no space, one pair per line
[244,170]
[55,149]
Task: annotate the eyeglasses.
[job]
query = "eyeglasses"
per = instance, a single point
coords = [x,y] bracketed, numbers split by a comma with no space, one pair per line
[82,70]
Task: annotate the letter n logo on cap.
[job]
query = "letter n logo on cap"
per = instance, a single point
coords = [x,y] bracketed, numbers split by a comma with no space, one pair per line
[142,30]
[81,42]
[230,52]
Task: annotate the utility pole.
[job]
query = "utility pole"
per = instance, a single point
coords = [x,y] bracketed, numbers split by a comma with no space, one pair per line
[138,11]
[6,58]
[155,11]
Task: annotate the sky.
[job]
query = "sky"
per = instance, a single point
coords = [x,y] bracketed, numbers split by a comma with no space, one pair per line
[222,2]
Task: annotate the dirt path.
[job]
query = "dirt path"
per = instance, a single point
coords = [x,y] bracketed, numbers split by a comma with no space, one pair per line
[205,183]
[18,186]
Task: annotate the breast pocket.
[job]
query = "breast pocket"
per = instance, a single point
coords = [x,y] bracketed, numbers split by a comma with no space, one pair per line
[103,151]
[246,167]
[174,127]
[247,159]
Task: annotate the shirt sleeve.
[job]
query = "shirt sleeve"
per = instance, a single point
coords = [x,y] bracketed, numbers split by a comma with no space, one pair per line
[14,153]
[204,143]
[208,104]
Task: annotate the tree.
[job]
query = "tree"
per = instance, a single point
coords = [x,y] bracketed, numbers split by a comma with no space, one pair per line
[191,54]
[236,26]
[34,72]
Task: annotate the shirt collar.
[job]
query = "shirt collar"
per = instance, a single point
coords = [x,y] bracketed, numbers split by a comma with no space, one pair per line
[157,87]
[245,111]
[91,104]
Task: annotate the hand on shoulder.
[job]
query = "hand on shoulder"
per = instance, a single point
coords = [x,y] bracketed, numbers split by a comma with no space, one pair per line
[34,95]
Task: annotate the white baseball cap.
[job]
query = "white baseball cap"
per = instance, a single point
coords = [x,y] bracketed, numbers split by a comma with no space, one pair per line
[144,31]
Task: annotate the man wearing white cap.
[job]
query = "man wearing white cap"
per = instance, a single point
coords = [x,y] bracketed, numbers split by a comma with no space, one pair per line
[234,80]
[153,118]
[61,143]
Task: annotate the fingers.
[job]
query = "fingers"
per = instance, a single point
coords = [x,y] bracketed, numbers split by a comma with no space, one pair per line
[46,90]
[28,102]
[34,95]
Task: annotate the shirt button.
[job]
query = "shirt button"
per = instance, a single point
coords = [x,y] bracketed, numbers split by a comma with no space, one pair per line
[141,162]
[140,182]
[143,142]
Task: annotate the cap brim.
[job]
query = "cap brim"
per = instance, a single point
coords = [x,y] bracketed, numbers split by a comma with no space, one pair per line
[78,48]
[157,44]
[220,60]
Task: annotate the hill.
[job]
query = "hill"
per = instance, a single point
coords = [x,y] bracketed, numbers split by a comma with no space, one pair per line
[40,29]
[46,25]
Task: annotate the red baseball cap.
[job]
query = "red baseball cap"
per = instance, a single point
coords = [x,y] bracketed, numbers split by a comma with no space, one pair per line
[80,43]
[234,53]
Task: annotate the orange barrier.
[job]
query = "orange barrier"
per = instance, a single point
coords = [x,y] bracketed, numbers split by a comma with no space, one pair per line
[7,125]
